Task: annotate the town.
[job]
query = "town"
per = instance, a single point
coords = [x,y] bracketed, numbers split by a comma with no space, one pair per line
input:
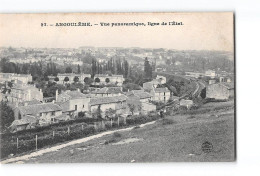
[41,87]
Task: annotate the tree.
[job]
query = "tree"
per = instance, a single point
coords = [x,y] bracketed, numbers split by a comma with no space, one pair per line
[76,79]
[147,69]
[203,93]
[88,80]
[56,79]
[107,80]
[6,116]
[126,68]
[66,79]
[98,113]
[79,69]
[93,67]
[97,80]
[68,70]
[131,108]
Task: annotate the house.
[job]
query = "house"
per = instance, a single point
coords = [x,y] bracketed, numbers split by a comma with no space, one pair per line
[148,86]
[140,94]
[73,102]
[44,113]
[210,73]
[186,103]
[162,94]
[139,102]
[224,79]
[220,91]
[117,103]
[27,122]
[212,81]
[13,77]
[107,92]
[108,79]
[22,92]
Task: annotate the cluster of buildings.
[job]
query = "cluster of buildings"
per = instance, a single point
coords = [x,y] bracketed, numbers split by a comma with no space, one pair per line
[31,110]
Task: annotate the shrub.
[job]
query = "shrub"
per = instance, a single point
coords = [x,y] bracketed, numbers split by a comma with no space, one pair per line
[167,121]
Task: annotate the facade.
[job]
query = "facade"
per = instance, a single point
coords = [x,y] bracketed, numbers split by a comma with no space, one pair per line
[224,79]
[210,73]
[220,91]
[139,105]
[21,92]
[108,79]
[70,77]
[162,79]
[117,103]
[160,94]
[140,94]
[45,113]
[73,102]
[15,78]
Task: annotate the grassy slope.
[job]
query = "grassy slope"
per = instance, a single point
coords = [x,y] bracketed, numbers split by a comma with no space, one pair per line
[170,139]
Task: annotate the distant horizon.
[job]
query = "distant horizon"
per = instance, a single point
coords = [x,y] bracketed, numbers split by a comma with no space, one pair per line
[113,47]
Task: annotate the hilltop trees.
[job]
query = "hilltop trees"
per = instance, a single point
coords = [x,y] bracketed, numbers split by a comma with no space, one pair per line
[147,69]
[68,70]
[113,66]
[6,116]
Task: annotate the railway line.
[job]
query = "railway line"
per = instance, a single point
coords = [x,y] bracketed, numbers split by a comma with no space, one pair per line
[191,93]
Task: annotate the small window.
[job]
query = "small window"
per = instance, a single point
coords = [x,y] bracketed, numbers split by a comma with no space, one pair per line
[83,106]
[40,114]
[76,107]
[53,113]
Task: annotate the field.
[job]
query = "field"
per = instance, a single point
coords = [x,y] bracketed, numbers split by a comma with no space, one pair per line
[174,138]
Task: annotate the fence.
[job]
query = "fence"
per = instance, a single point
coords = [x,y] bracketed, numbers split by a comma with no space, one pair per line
[34,140]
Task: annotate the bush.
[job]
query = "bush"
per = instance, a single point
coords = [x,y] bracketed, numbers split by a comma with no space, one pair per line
[167,121]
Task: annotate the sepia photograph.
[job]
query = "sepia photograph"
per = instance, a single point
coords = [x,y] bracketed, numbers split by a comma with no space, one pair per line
[117,87]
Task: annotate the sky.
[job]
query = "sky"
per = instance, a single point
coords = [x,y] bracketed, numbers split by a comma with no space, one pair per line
[200,31]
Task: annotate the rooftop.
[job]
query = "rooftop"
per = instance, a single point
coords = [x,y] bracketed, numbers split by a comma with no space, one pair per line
[161,90]
[39,108]
[110,90]
[107,100]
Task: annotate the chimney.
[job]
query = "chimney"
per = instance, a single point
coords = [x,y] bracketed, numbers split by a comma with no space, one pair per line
[78,90]
[29,95]
[53,101]
[56,95]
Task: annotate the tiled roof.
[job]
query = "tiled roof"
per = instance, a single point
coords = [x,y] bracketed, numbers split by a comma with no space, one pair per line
[73,94]
[110,90]
[160,90]
[107,100]
[139,93]
[39,108]
[33,102]
[23,86]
